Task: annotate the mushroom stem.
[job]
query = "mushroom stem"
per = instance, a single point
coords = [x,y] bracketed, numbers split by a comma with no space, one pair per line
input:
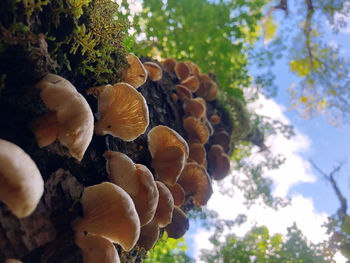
[45,129]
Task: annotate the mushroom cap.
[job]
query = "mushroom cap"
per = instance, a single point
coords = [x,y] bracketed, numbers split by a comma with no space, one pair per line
[169,152]
[123,112]
[73,113]
[136,180]
[204,85]
[195,181]
[195,108]
[192,83]
[155,72]
[136,74]
[215,119]
[21,184]
[197,153]
[96,248]
[193,67]
[212,91]
[169,64]
[165,206]
[219,162]
[149,235]
[183,92]
[179,224]
[178,194]
[109,212]
[182,71]
[12,260]
[209,126]
[222,138]
[196,131]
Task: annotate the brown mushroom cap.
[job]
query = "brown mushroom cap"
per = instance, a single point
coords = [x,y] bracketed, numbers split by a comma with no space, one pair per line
[109,212]
[96,249]
[169,152]
[73,120]
[193,107]
[11,260]
[182,71]
[215,119]
[149,235]
[165,206]
[196,131]
[222,138]
[123,112]
[21,184]
[193,67]
[197,153]
[178,194]
[136,74]
[192,83]
[179,224]
[212,92]
[155,72]
[219,162]
[204,85]
[195,181]
[136,180]
[169,64]
[183,92]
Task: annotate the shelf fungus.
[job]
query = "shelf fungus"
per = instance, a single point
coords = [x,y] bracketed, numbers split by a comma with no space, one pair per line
[70,119]
[208,89]
[196,108]
[155,72]
[123,112]
[178,194]
[137,181]
[21,184]
[149,235]
[135,74]
[196,182]
[96,249]
[219,162]
[222,138]
[109,212]
[196,130]
[198,154]
[169,152]
[179,224]
[192,83]
[165,205]
[182,71]
[169,65]
[183,92]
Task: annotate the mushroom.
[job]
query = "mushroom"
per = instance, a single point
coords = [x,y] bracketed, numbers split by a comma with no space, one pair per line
[96,249]
[165,205]
[178,194]
[155,72]
[21,184]
[222,138]
[109,212]
[192,83]
[219,162]
[12,260]
[196,131]
[195,108]
[182,71]
[149,235]
[123,112]
[193,68]
[169,64]
[136,180]
[215,119]
[179,224]
[196,182]
[212,92]
[69,119]
[183,92]
[135,74]
[169,152]
[197,153]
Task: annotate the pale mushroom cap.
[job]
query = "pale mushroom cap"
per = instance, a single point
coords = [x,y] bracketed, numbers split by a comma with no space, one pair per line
[21,184]
[196,131]
[136,74]
[195,181]
[73,113]
[96,249]
[123,112]
[109,212]
[178,194]
[149,235]
[165,206]
[179,224]
[136,180]
[155,72]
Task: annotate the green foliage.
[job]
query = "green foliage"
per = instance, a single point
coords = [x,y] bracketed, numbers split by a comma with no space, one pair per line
[259,246]
[169,250]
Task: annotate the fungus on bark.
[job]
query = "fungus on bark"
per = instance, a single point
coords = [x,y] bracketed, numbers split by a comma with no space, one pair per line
[179,224]
[136,180]
[21,184]
[123,112]
[194,69]
[135,74]
[222,138]
[183,92]
[215,119]
[182,71]
[149,235]
[198,153]
[169,65]
[169,152]
[192,83]
[155,72]
[219,162]
[195,108]
[96,249]
[196,182]
[196,131]
[178,194]
[109,212]
[70,119]
[165,205]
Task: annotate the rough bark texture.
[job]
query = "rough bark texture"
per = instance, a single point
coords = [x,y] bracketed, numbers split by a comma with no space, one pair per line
[46,235]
